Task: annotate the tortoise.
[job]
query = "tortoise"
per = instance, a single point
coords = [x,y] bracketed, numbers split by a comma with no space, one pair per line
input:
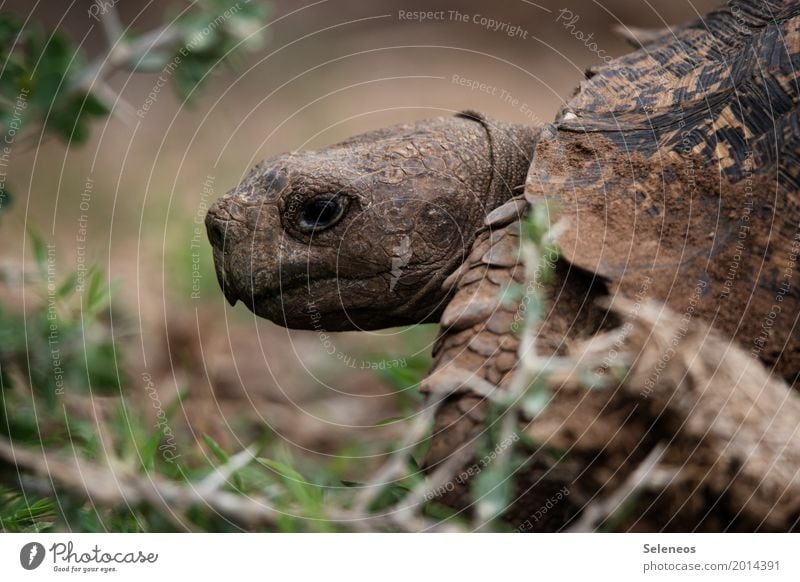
[675,171]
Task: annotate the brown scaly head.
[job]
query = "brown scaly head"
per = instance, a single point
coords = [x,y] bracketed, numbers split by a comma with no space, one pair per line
[361,234]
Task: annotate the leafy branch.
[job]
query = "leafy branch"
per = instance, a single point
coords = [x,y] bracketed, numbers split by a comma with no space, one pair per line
[47,80]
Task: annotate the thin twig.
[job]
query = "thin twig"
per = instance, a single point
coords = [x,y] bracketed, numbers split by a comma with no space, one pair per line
[646,477]
[396,466]
[222,474]
[165,36]
[404,512]
[118,106]
[112,26]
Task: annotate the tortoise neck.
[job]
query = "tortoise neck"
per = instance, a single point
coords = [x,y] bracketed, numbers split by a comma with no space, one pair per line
[511,147]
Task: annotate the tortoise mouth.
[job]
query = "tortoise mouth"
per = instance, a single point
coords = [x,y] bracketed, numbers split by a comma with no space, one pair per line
[327,304]
[254,295]
[298,303]
[288,290]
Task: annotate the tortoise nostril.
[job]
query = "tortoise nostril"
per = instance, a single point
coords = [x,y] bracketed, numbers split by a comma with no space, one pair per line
[216,229]
[226,222]
[219,222]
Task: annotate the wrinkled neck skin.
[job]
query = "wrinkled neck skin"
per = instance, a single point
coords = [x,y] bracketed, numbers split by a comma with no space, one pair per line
[406,203]
[504,167]
[510,152]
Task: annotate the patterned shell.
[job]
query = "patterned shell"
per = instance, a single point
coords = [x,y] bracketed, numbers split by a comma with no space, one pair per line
[677,167]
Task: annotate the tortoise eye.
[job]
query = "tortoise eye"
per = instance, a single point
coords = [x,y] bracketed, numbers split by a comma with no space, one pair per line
[320,213]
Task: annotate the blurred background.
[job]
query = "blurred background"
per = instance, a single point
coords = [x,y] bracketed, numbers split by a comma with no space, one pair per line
[131,200]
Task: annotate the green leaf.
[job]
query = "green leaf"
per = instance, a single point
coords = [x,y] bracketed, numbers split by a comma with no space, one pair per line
[39,252]
[148,450]
[18,514]
[57,56]
[10,28]
[216,449]
[538,222]
[71,115]
[282,469]
[223,458]
[12,81]
[96,293]
[189,74]
[68,286]
[6,200]
[101,364]
[44,90]
[69,122]
[93,105]
[440,512]
[388,421]
[307,495]
[401,378]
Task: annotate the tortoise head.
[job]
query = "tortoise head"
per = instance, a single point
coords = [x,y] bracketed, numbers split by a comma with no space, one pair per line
[361,234]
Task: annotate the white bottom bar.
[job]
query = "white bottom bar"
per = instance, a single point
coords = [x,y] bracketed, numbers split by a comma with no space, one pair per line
[401,557]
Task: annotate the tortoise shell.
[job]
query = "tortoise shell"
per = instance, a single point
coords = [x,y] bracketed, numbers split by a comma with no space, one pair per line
[676,172]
